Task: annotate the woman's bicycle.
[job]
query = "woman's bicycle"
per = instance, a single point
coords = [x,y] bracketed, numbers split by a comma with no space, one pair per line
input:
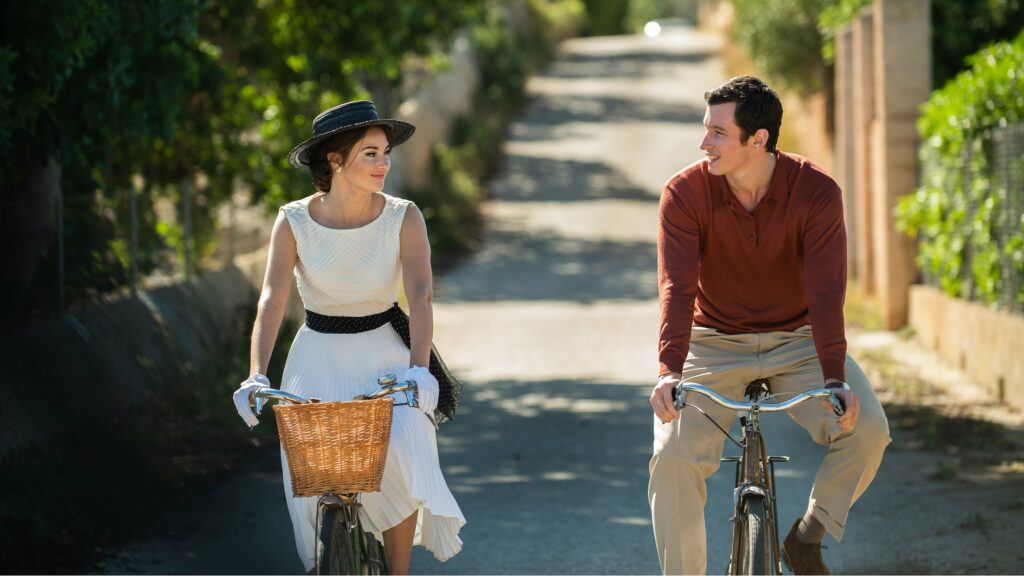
[755,536]
[335,451]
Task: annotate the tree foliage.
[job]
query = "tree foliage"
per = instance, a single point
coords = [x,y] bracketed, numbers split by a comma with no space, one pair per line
[959,211]
[958,29]
[783,39]
[154,92]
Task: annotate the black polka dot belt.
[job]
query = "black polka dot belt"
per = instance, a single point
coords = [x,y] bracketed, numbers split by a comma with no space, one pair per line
[449,386]
[350,324]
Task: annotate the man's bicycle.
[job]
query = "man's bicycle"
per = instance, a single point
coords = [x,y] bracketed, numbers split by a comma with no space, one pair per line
[337,450]
[755,536]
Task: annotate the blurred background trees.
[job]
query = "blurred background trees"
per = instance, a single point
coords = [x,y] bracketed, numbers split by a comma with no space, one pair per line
[99,97]
[184,102]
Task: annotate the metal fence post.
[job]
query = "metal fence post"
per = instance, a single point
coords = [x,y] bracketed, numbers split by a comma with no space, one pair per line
[134,215]
[186,211]
[60,252]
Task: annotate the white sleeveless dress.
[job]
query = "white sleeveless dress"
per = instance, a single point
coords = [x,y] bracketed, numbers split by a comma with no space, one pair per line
[356,273]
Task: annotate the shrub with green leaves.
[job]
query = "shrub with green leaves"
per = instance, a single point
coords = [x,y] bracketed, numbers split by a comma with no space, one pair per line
[961,214]
[783,39]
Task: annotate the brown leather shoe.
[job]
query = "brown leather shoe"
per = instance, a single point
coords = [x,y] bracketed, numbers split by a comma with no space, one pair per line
[801,557]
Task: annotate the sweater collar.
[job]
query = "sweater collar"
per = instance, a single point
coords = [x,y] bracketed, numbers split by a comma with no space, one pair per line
[778,190]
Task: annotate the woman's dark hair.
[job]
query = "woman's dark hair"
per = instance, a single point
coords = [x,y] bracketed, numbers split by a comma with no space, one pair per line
[757,106]
[320,166]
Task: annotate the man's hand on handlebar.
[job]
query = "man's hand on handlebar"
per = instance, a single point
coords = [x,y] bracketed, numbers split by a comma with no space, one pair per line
[851,402]
[661,398]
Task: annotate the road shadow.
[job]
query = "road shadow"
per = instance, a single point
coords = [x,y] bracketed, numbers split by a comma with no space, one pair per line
[533,179]
[539,498]
[535,266]
[633,64]
[543,116]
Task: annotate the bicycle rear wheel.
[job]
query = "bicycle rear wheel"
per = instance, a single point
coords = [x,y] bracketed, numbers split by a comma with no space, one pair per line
[752,546]
[335,552]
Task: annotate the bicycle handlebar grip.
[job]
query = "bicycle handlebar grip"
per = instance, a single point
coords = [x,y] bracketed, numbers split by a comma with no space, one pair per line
[678,399]
[837,404]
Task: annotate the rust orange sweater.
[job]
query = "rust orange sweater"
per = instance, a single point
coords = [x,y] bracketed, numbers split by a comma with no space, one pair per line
[777,268]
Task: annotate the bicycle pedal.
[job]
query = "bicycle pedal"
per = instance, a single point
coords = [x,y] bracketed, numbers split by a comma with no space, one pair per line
[778,458]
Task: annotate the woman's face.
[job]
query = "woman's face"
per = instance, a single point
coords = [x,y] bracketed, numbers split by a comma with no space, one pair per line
[368,162]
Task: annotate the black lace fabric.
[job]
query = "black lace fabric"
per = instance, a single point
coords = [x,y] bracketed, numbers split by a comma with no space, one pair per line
[449,386]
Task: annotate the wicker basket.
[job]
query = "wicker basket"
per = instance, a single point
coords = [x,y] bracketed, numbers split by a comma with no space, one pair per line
[335,447]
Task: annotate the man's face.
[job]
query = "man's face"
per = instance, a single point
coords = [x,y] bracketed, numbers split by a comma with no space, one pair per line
[721,144]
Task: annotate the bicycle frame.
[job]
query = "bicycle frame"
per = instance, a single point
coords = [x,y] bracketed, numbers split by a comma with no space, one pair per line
[755,477]
[755,470]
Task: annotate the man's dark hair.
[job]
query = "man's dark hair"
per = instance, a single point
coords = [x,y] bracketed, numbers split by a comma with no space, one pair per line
[757,106]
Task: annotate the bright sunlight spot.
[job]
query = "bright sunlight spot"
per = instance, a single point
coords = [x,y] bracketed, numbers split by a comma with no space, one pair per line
[652,29]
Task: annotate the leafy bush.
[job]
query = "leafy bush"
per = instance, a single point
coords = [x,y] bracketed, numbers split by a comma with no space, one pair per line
[958,212]
[157,91]
[606,17]
[958,29]
[832,19]
[783,39]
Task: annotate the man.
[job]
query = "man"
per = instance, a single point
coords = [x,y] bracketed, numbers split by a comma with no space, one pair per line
[752,279]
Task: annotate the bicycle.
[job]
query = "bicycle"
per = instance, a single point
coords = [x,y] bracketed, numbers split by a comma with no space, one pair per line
[335,452]
[755,539]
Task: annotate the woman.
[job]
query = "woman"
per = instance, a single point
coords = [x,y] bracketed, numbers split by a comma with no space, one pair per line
[347,245]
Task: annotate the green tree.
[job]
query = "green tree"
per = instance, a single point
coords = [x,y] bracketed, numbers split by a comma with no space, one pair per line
[90,86]
[783,38]
[159,91]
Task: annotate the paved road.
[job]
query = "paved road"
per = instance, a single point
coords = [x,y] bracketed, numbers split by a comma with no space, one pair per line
[554,325]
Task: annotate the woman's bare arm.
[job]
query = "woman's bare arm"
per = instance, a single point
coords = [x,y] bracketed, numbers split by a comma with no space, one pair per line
[418,281]
[277,285]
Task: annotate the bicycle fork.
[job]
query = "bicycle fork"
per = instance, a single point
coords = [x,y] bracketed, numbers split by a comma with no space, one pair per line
[751,481]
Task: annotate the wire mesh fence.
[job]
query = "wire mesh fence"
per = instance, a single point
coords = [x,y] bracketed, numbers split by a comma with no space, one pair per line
[983,231]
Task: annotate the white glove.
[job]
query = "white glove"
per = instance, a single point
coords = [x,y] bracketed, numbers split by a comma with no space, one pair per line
[426,388]
[244,394]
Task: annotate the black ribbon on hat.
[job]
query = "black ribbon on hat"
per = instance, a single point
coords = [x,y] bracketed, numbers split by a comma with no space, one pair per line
[449,386]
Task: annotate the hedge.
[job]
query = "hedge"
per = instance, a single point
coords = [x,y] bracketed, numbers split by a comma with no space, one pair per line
[959,213]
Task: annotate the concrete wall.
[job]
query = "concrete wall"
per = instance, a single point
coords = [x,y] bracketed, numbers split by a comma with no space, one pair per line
[984,343]
[100,364]
[433,110]
[439,101]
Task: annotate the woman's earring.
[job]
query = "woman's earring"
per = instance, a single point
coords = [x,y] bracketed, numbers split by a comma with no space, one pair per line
[338,170]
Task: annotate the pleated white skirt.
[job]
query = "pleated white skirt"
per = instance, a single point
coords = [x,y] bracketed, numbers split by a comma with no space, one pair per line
[338,367]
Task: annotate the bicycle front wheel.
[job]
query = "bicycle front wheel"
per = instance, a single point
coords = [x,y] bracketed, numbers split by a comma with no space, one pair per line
[335,552]
[752,547]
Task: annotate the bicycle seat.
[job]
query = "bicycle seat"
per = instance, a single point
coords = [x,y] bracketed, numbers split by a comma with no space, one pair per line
[759,387]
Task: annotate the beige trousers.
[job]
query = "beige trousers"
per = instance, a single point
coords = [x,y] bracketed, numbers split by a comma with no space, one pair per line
[687,450]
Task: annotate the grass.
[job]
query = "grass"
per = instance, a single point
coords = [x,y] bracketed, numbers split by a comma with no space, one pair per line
[973,521]
[944,470]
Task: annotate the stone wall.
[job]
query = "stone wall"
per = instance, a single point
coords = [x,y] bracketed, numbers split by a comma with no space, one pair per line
[984,343]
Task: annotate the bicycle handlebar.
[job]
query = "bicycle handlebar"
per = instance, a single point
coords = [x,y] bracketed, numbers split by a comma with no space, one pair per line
[388,385]
[680,399]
